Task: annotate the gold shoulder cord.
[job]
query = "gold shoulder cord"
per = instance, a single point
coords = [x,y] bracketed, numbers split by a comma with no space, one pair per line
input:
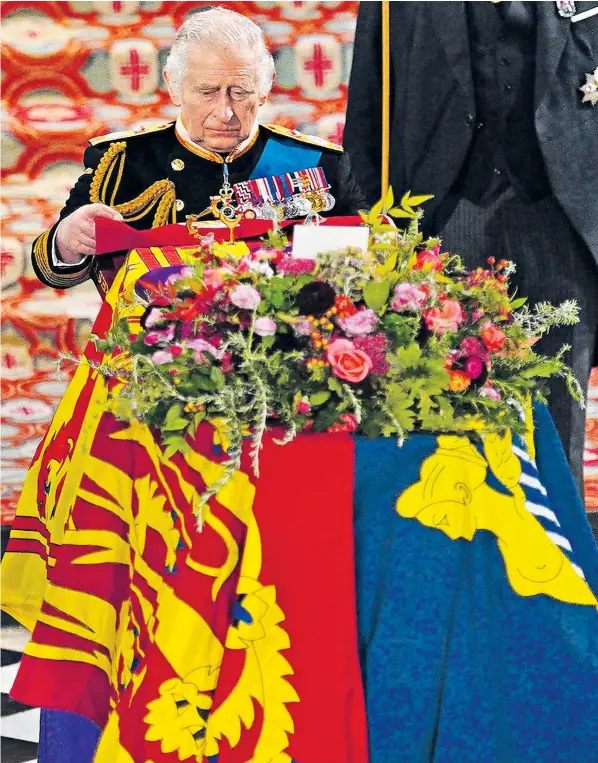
[162,190]
[99,182]
[385,96]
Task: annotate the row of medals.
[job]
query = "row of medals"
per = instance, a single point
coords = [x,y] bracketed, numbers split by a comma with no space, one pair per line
[309,202]
[300,205]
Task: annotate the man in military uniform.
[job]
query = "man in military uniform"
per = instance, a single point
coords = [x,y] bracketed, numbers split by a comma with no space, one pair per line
[219,72]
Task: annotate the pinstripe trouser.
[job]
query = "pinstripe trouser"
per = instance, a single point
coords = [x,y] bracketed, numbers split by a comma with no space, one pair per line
[553,264]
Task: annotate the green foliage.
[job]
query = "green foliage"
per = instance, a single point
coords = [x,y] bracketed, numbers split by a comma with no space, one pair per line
[375,294]
[319,398]
[268,379]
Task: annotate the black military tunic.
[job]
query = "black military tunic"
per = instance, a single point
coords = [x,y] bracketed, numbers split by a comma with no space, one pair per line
[156,176]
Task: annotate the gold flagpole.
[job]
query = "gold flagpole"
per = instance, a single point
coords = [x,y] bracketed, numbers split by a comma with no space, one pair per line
[385,94]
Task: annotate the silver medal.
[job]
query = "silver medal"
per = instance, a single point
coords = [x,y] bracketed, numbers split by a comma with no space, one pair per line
[329,200]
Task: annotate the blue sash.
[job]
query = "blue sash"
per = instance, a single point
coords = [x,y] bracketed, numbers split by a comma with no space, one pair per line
[282,155]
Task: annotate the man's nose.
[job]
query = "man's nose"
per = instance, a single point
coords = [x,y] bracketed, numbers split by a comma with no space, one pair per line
[224,109]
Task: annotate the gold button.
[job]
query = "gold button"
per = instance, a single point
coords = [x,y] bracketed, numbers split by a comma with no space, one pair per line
[180,204]
[177,164]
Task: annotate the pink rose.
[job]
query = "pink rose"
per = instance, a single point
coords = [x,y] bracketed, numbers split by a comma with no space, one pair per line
[409,296]
[303,407]
[445,318]
[347,362]
[428,260]
[160,357]
[490,391]
[361,322]
[245,297]
[265,327]
[160,336]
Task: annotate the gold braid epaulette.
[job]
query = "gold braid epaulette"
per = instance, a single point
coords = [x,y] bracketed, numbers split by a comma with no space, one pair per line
[136,208]
[97,193]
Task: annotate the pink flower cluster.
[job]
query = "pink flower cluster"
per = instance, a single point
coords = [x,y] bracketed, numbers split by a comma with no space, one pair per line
[376,347]
[294,265]
[409,297]
[361,322]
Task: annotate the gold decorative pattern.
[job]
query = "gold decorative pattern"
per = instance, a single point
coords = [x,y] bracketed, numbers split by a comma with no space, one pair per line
[97,189]
[165,207]
[102,283]
[119,176]
[66,278]
[140,205]
[212,156]
[112,136]
[300,136]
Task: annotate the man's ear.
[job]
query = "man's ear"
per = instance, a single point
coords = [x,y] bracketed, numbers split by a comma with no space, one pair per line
[174,96]
[264,98]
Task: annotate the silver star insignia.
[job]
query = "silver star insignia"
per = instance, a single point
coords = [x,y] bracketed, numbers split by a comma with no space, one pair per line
[590,89]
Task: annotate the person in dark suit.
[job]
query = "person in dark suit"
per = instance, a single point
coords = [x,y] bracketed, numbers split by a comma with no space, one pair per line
[218,73]
[487,114]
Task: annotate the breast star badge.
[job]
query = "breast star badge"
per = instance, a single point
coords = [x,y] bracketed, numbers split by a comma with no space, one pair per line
[590,89]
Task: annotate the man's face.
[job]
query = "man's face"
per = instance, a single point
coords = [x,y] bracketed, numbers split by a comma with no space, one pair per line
[219,98]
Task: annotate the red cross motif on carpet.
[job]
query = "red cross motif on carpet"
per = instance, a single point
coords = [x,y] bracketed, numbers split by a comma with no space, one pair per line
[337,135]
[134,69]
[318,64]
[6,259]
[9,361]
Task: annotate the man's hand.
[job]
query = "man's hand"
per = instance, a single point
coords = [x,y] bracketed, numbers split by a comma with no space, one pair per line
[75,236]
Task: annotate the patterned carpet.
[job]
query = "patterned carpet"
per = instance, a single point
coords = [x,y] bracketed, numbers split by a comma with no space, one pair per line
[72,70]
[20,724]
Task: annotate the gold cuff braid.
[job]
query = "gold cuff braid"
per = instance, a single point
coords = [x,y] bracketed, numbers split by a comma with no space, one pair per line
[42,253]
